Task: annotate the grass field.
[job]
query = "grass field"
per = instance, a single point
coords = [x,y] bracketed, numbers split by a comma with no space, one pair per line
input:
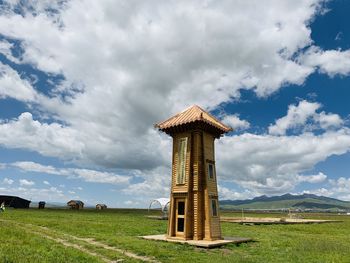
[112,235]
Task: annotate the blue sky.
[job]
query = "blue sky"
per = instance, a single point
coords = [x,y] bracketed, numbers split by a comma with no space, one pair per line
[83,82]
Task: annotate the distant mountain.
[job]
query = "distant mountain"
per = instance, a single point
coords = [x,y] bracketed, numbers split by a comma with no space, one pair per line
[305,201]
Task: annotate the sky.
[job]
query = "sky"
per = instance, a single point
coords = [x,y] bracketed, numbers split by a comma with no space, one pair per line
[82,83]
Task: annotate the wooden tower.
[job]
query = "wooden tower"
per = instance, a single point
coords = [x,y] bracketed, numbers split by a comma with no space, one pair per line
[194,208]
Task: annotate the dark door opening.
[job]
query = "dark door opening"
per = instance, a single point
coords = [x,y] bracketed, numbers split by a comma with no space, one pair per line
[180,216]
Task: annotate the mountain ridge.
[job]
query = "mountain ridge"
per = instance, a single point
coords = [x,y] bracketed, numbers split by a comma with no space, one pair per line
[304,201]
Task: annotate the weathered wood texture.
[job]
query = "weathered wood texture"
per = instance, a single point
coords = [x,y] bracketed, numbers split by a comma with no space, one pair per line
[198,189]
[194,211]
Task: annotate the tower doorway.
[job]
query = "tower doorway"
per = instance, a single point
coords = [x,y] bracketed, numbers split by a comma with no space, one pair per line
[180,217]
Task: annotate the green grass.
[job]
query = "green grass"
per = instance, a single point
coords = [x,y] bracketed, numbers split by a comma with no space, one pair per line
[17,245]
[120,228]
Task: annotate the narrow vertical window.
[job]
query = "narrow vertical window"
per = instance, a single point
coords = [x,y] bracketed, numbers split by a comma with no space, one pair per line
[181,165]
[211,171]
[214,207]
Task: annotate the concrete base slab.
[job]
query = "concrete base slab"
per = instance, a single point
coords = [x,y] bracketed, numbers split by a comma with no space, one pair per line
[200,243]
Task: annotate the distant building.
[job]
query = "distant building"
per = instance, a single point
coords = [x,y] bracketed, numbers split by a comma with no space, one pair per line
[41,205]
[14,201]
[101,206]
[75,204]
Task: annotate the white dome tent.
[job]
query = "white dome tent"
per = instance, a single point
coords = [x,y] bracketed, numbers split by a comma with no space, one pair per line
[164,204]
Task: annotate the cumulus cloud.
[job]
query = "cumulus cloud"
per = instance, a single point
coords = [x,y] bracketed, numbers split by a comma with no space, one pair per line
[329,120]
[7,181]
[336,188]
[341,186]
[235,122]
[316,178]
[48,139]
[24,182]
[154,183]
[299,115]
[270,164]
[87,144]
[135,64]
[227,194]
[331,62]
[74,173]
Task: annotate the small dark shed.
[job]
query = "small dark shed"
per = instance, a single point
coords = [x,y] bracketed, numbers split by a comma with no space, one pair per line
[41,204]
[75,204]
[14,201]
[101,206]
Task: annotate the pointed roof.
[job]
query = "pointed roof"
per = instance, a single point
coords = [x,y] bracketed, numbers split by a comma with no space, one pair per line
[191,115]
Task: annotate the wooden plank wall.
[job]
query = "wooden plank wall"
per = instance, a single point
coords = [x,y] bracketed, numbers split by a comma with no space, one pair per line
[198,189]
[213,230]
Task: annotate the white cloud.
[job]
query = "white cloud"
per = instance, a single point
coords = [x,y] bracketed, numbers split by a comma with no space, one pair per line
[269,164]
[86,145]
[36,167]
[327,121]
[74,173]
[331,62]
[6,50]
[100,177]
[338,188]
[341,185]
[7,181]
[46,182]
[227,194]
[11,85]
[314,179]
[155,184]
[24,182]
[299,115]
[235,122]
[48,139]
[135,64]
[321,192]
[176,53]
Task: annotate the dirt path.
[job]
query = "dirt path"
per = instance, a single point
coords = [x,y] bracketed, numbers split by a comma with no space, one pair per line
[62,239]
[76,246]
